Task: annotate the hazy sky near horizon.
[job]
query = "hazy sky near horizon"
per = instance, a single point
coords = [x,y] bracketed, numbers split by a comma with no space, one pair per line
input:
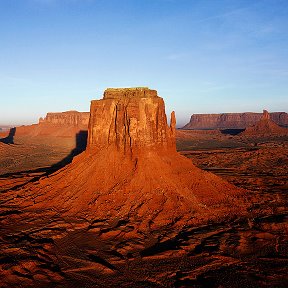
[203,56]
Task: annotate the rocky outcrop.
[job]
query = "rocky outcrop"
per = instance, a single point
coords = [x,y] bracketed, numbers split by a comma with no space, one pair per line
[265,115]
[232,120]
[61,124]
[130,119]
[265,127]
[131,172]
[67,118]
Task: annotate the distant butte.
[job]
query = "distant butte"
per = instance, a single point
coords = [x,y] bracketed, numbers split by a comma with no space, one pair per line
[265,127]
[69,117]
[59,124]
[131,171]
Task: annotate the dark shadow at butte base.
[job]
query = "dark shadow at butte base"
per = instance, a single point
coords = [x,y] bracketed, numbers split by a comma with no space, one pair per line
[10,138]
[80,146]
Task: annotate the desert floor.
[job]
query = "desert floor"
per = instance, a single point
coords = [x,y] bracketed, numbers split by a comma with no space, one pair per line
[51,250]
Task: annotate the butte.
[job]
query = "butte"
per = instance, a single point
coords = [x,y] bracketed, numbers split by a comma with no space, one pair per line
[131,171]
[265,127]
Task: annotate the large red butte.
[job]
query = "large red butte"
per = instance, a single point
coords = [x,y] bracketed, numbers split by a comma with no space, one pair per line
[131,170]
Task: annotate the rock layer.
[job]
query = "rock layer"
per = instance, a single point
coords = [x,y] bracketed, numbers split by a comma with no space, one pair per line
[232,120]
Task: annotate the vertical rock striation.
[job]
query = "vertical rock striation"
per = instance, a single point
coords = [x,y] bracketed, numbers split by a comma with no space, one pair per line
[131,119]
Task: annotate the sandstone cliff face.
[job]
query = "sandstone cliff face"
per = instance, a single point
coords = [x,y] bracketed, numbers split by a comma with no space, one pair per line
[131,171]
[232,120]
[130,119]
[67,118]
[61,124]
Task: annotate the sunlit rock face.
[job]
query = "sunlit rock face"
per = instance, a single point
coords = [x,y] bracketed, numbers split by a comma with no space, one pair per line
[132,119]
[66,118]
[57,124]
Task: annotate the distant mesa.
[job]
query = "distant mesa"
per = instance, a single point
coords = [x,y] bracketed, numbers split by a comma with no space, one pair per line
[265,127]
[67,118]
[232,120]
[59,124]
[131,171]
[4,128]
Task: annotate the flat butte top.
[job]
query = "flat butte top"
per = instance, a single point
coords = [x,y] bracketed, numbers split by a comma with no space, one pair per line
[137,92]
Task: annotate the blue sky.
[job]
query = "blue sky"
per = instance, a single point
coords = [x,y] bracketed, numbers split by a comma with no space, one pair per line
[203,56]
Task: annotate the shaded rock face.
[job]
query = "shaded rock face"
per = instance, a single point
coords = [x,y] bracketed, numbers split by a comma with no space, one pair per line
[131,119]
[232,120]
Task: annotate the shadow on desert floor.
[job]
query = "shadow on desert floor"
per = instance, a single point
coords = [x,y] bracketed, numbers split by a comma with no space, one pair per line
[34,174]
[10,138]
